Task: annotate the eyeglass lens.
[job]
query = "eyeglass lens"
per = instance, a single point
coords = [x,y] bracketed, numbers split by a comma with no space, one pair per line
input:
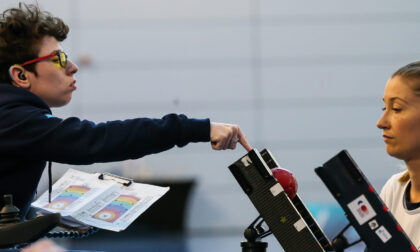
[63,59]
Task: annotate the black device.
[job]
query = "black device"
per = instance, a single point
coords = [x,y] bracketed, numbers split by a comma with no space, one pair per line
[364,209]
[21,76]
[289,220]
[13,232]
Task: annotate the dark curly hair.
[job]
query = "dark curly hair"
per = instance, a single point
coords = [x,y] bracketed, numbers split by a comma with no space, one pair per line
[21,31]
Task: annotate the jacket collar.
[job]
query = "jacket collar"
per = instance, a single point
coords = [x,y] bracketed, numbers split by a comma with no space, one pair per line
[10,94]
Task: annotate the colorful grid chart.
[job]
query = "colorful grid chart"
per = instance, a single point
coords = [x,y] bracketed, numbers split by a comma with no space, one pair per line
[116,208]
[68,196]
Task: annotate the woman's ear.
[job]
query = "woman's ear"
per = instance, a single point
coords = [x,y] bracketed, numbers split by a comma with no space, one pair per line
[19,79]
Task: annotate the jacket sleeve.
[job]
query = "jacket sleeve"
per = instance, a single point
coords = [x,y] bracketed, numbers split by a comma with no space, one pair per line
[36,135]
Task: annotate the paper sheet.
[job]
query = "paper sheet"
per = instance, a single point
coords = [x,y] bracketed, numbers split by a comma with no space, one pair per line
[105,204]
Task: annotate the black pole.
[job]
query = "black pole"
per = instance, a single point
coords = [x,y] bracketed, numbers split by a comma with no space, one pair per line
[253,236]
[256,246]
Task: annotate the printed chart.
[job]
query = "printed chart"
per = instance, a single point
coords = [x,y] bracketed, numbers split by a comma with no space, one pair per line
[116,208]
[67,197]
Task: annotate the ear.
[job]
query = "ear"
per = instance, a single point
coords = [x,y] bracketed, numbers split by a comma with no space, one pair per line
[19,79]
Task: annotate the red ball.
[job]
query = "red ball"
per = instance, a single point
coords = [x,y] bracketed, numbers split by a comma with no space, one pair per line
[286,180]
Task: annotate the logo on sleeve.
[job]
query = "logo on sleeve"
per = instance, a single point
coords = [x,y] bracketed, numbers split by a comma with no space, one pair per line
[48,115]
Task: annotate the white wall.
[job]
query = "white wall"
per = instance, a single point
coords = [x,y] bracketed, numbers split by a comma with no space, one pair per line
[303,78]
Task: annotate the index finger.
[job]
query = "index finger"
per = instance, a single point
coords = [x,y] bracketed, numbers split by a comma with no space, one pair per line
[243,141]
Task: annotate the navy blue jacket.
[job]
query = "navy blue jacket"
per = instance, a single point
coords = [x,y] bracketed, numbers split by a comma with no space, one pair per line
[30,136]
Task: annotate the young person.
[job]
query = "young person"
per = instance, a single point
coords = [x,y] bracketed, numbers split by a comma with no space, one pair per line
[400,125]
[36,75]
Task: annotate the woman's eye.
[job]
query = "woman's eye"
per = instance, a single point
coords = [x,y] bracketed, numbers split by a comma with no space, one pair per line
[393,109]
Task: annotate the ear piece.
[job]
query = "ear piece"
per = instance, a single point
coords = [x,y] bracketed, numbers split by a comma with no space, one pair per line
[21,76]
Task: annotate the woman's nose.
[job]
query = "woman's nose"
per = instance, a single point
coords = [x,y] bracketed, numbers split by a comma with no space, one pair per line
[383,122]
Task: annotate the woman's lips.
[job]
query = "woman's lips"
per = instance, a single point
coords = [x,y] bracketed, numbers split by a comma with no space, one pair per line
[387,138]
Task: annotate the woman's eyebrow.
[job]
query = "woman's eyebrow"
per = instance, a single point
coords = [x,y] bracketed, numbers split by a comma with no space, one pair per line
[392,99]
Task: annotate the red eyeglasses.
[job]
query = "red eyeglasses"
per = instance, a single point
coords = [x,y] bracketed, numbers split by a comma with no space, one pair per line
[61,59]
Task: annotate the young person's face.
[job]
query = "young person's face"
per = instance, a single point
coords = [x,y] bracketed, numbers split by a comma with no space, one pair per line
[53,84]
[400,122]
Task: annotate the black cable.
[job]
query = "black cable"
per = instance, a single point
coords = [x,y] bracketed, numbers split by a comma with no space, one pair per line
[72,233]
[49,182]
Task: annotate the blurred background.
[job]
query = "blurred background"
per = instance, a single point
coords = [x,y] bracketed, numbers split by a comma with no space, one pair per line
[302,78]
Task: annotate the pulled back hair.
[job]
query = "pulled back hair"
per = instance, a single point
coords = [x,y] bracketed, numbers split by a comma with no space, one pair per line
[411,73]
[411,70]
[21,31]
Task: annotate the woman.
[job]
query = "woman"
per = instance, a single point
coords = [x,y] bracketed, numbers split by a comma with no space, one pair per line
[400,125]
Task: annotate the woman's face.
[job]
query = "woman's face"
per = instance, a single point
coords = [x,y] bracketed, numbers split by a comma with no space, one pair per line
[400,122]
